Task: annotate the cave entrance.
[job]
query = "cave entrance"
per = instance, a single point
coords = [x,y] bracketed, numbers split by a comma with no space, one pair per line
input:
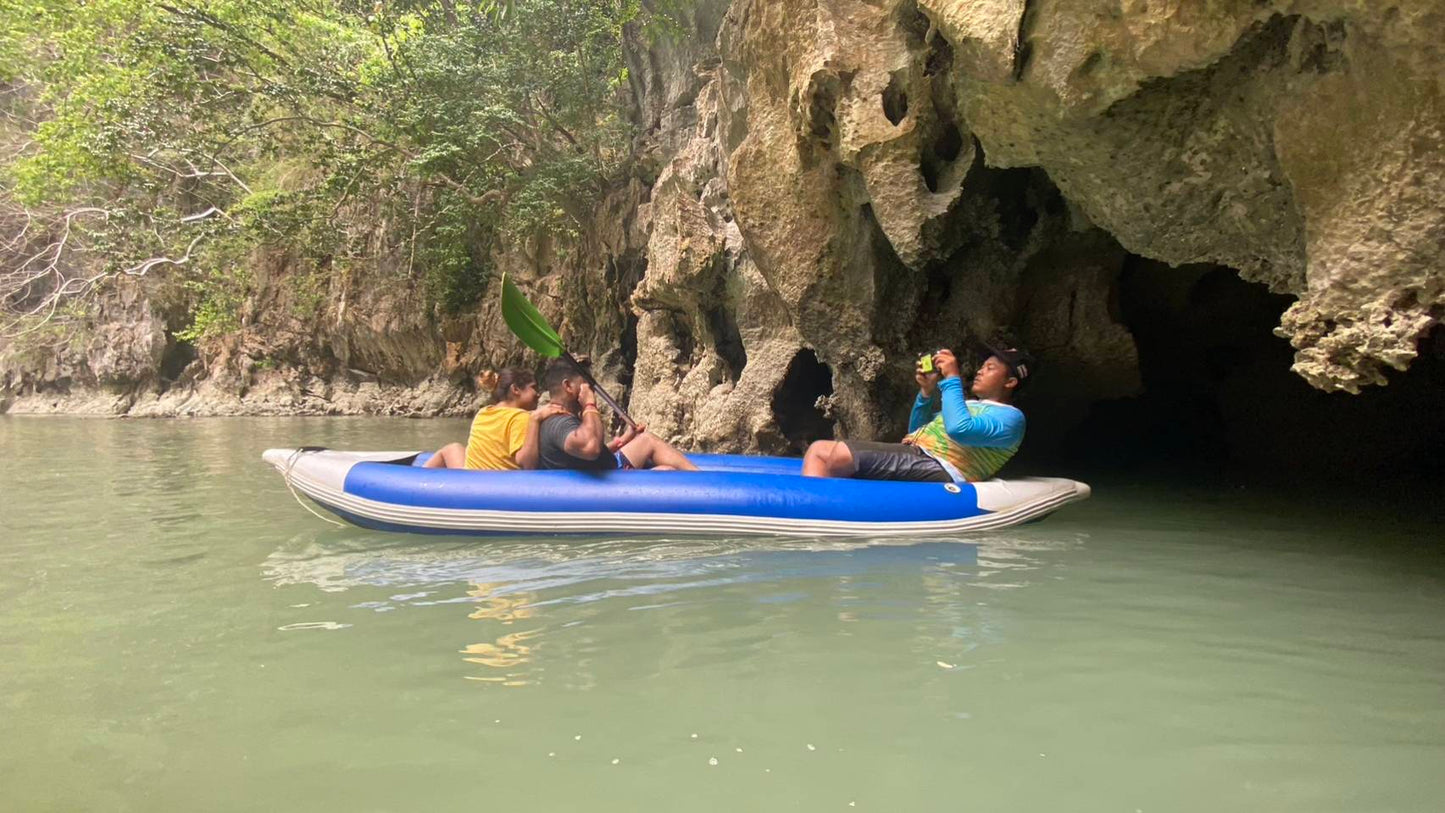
[178,355]
[795,403]
[895,101]
[1219,398]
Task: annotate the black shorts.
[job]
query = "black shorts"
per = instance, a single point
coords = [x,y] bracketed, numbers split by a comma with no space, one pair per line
[895,461]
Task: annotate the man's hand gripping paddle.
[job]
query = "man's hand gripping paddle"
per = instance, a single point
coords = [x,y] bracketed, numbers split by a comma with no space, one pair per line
[526,321]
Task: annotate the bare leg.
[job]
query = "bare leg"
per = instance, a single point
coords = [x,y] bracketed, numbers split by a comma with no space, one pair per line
[651,452]
[828,458]
[450,456]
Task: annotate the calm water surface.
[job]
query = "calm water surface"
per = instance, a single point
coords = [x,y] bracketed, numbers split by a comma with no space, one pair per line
[176,633]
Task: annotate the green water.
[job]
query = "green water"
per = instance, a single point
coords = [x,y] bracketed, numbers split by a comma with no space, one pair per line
[176,633]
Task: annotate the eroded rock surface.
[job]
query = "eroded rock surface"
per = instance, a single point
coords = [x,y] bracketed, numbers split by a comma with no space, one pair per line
[1298,142]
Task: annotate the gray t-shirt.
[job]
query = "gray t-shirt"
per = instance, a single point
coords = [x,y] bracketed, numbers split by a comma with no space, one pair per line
[553,453]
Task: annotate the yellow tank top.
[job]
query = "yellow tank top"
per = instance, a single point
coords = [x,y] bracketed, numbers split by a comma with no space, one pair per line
[497,434]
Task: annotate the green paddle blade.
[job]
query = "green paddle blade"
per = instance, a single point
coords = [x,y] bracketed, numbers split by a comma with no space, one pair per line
[526,321]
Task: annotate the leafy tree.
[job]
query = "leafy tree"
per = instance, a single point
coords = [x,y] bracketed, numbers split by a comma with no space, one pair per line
[180,135]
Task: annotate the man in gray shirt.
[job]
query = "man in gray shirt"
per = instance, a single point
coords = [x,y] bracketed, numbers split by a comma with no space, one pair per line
[576,440]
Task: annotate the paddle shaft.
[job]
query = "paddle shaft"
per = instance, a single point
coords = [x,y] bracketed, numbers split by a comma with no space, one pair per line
[601,393]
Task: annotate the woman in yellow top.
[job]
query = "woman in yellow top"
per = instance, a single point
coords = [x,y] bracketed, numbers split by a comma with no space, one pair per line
[504,434]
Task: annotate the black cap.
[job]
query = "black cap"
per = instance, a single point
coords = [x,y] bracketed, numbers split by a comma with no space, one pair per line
[1020,363]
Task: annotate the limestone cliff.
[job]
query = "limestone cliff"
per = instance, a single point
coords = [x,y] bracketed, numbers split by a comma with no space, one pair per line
[823,189]
[874,195]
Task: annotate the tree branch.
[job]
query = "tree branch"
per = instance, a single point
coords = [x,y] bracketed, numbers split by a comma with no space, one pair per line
[17,281]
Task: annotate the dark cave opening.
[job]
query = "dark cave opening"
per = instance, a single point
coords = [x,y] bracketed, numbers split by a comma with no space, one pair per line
[622,273]
[1219,401]
[895,101]
[794,403]
[727,340]
[628,350]
[1211,395]
[948,144]
[177,356]
[1021,195]
[943,151]
[940,56]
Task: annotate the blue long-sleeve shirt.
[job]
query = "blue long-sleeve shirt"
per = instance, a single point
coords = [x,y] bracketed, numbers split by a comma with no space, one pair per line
[986,424]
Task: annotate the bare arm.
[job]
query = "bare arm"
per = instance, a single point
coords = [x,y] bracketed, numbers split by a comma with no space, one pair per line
[586,441]
[626,437]
[530,454]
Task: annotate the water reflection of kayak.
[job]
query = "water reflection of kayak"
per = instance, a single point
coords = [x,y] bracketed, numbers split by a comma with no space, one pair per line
[733,494]
[558,570]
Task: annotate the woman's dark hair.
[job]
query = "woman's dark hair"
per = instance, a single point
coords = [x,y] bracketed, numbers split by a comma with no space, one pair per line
[501,383]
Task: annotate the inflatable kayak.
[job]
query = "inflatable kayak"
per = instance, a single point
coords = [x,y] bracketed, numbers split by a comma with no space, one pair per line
[733,494]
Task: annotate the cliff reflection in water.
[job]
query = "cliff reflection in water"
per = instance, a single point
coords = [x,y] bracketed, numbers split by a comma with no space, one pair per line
[527,594]
[510,652]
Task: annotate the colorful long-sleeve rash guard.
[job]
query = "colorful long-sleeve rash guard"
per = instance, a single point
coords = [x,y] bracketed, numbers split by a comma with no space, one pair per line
[971,439]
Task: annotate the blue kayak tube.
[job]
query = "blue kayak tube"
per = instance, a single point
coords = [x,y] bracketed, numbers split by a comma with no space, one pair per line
[731,495]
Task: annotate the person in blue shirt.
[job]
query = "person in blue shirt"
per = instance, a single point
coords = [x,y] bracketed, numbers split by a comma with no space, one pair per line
[950,438]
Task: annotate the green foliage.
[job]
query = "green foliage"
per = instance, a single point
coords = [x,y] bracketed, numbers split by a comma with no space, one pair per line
[308,291]
[219,294]
[456,263]
[209,130]
[213,317]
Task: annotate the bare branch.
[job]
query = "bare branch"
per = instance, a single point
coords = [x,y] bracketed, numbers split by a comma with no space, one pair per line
[33,303]
[140,269]
[195,172]
[227,170]
[202,215]
[15,242]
